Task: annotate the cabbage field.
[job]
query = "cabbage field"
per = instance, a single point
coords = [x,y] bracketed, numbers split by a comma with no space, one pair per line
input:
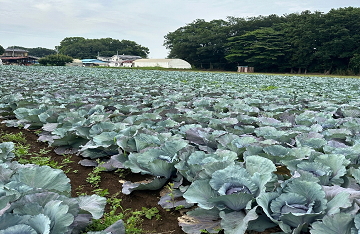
[239,151]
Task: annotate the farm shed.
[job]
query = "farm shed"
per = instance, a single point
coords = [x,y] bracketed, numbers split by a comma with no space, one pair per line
[245,69]
[165,63]
[93,62]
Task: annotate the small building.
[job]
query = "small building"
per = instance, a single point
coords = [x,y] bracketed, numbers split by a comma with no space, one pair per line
[245,69]
[165,63]
[94,62]
[119,60]
[75,63]
[127,63]
[12,52]
[18,57]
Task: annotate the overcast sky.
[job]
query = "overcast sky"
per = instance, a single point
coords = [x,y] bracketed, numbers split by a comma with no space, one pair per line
[44,23]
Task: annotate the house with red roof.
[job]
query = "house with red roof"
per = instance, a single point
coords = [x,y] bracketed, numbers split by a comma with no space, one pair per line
[13,56]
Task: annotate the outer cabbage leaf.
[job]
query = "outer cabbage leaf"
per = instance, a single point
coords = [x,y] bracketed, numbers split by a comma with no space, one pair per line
[233,179]
[153,184]
[9,219]
[44,177]
[199,165]
[235,201]
[237,222]
[156,161]
[236,143]
[328,169]
[117,227]
[172,199]
[197,220]
[201,192]
[41,223]
[340,223]
[17,229]
[312,139]
[298,204]
[6,151]
[93,204]
[59,216]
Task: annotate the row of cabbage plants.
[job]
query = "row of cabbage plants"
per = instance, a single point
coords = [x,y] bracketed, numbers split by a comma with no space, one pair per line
[36,199]
[247,152]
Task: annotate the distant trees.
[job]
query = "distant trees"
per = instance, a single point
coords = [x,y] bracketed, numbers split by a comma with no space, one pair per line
[297,42]
[2,50]
[200,43]
[40,52]
[79,47]
[55,60]
[36,52]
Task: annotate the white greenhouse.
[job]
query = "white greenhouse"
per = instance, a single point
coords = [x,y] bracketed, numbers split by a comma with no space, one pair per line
[165,63]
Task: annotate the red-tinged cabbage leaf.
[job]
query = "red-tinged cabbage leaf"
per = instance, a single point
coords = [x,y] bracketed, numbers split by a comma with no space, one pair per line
[199,219]
[153,184]
[172,199]
[237,222]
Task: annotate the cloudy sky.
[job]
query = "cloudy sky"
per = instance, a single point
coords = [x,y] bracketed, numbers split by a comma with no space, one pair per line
[44,23]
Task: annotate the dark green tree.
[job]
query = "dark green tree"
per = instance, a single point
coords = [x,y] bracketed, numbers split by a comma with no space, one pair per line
[79,47]
[36,52]
[263,48]
[55,60]
[40,52]
[340,39]
[354,64]
[2,50]
[200,43]
[240,26]
[301,32]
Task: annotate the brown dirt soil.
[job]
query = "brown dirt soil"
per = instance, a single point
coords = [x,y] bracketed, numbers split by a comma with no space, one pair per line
[168,224]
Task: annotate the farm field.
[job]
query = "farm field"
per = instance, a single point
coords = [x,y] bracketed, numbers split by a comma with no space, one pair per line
[212,152]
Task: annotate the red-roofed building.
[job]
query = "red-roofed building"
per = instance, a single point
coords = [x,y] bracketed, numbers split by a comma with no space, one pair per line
[17,57]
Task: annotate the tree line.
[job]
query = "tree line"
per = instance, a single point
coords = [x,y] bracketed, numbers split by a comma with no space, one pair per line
[80,48]
[297,43]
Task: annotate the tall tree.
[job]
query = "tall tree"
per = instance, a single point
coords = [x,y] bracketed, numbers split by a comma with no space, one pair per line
[340,39]
[79,47]
[2,50]
[302,34]
[200,43]
[263,48]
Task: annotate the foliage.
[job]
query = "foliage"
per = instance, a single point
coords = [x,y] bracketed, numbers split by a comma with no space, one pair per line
[198,44]
[251,151]
[297,42]
[55,60]
[2,50]
[130,220]
[38,51]
[79,47]
[262,48]
[36,199]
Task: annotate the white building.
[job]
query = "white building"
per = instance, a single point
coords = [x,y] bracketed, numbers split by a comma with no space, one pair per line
[165,63]
[118,60]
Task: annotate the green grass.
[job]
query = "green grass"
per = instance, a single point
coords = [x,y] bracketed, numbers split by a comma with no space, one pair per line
[132,218]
